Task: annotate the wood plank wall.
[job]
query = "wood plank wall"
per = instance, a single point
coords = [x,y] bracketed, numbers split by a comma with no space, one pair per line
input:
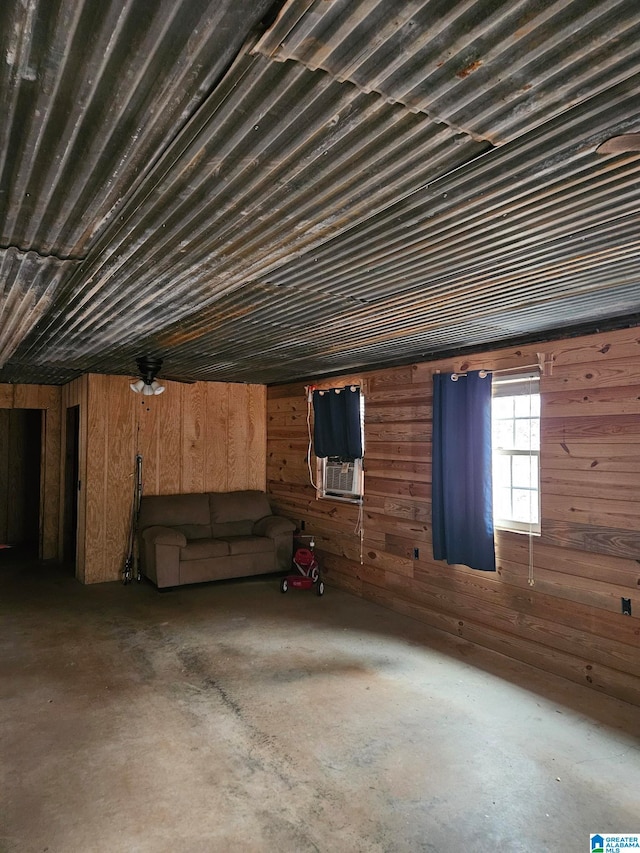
[587,558]
[75,393]
[207,436]
[46,398]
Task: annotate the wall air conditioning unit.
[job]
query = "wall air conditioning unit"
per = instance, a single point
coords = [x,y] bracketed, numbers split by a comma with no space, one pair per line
[343,479]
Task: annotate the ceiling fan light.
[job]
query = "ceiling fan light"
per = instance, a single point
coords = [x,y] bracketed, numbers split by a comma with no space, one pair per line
[157,387]
[137,386]
[147,391]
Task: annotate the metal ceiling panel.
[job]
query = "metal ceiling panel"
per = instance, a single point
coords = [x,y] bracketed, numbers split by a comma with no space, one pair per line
[492,69]
[537,234]
[258,220]
[28,283]
[279,160]
[545,199]
[93,93]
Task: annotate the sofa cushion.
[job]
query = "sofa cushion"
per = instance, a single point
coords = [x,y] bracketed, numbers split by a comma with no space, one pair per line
[250,545]
[173,510]
[194,531]
[248,504]
[233,528]
[201,549]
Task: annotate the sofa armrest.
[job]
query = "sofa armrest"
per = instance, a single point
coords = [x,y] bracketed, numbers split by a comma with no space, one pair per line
[157,535]
[160,554]
[272,526]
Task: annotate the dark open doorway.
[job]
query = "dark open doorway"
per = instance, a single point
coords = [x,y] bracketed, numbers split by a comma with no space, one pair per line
[20,458]
[71,485]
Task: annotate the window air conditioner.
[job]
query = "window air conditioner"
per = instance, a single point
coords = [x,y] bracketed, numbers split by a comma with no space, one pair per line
[342,478]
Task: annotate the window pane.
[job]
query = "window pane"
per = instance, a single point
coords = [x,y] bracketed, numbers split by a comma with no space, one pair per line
[503,434]
[524,438]
[525,504]
[527,406]
[524,472]
[502,407]
[501,470]
[502,503]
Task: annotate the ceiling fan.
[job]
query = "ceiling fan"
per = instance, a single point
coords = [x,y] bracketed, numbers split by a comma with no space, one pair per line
[149,366]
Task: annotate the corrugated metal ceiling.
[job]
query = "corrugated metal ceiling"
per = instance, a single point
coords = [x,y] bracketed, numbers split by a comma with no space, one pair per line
[264,203]
[496,70]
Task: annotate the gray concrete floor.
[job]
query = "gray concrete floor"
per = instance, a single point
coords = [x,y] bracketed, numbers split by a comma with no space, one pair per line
[230,717]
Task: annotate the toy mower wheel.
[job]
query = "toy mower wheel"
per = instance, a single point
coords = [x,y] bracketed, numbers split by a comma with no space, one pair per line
[284,585]
[320,588]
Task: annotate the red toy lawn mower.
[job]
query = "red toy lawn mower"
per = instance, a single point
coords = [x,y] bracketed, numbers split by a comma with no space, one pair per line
[308,568]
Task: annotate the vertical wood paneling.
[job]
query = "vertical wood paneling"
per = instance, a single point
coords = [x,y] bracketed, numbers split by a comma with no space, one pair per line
[215,442]
[193,435]
[26,397]
[168,409]
[75,394]
[193,438]
[47,398]
[96,482]
[238,437]
[50,485]
[7,393]
[257,438]
[120,448]
[147,420]
[569,622]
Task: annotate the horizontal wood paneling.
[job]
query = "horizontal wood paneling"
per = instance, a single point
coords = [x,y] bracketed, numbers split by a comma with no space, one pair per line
[569,621]
[199,437]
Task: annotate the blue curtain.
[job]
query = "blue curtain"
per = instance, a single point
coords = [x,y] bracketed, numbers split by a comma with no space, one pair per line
[337,427]
[462,495]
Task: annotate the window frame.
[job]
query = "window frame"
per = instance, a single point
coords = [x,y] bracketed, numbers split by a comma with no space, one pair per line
[516,384]
[321,464]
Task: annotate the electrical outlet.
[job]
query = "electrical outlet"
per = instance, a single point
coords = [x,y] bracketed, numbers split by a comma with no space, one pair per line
[416,553]
[626,606]
[302,525]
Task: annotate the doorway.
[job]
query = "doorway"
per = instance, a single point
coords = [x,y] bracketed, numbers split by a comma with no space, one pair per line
[71,485]
[20,460]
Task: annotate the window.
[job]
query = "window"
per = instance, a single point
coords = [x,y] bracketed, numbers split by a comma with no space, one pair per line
[515,421]
[340,432]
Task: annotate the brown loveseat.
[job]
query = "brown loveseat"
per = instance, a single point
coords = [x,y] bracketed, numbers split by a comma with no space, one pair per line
[204,537]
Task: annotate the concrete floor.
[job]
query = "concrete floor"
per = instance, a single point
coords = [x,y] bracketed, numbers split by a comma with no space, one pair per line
[231,717]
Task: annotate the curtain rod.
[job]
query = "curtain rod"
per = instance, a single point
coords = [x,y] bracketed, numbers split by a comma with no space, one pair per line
[485,373]
[352,386]
[540,365]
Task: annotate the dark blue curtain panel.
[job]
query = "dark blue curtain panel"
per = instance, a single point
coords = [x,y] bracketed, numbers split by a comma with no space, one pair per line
[462,496]
[336,423]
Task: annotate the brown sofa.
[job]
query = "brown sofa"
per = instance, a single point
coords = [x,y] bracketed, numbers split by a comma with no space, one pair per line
[204,537]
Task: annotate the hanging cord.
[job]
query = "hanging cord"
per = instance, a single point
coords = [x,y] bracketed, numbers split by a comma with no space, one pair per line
[309,392]
[359,529]
[530,579]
